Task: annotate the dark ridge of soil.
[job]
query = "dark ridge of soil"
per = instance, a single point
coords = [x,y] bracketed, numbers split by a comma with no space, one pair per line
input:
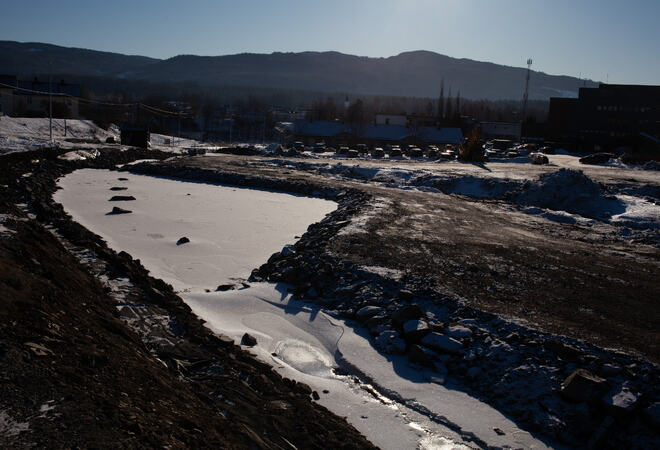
[80,377]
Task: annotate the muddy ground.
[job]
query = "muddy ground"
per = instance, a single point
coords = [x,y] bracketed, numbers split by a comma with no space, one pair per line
[580,281]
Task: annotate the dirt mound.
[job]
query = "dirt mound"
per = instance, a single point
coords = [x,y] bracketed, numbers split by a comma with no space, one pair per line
[567,190]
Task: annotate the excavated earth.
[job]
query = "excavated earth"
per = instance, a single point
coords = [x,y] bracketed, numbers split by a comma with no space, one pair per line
[530,309]
[554,324]
[75,374]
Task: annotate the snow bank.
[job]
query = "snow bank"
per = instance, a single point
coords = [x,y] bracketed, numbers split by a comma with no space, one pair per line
[571,191]
[21,133]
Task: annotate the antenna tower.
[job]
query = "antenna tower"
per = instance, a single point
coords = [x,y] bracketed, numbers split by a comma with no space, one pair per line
[526,96]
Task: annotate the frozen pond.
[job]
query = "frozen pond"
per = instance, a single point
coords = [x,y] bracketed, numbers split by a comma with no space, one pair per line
[231,230]
[234,230]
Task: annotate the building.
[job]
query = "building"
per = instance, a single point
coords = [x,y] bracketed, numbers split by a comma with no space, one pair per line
[501,130]
[439,136]
[339,133]
[33,98]
[609,115]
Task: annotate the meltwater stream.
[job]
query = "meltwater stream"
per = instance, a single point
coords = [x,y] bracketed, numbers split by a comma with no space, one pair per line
[232,231]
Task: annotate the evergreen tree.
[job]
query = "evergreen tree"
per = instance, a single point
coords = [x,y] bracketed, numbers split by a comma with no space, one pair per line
[448,106]
[458,105]
[441,100]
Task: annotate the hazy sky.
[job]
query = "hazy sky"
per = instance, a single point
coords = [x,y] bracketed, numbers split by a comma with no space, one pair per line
[598,39]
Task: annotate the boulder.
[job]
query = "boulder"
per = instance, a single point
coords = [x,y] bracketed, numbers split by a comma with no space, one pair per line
[224,287]
[583,386]
[121,198]
[249,340]
[621,400]
[407,313]
[421,355]
[288,250]
[562,349]
[390,342]
[183,240]
[368,312]
[442,343]
[415,329]
[304,388]
[458,332]
[118,210]
[406,295]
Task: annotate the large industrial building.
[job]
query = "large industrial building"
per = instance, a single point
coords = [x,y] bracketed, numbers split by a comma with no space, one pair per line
[607,116]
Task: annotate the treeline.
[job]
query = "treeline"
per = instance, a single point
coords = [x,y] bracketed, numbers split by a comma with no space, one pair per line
[203,101]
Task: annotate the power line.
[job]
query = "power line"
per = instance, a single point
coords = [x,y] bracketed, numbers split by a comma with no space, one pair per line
[149,108]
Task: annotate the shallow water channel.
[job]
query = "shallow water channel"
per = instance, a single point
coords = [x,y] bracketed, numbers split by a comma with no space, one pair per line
[234,230]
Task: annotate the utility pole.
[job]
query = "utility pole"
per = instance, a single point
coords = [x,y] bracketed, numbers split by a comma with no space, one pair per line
[50,101]
[526,95]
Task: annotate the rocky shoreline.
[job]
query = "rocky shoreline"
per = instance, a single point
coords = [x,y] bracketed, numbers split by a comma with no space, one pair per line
[564,389]
[111,374]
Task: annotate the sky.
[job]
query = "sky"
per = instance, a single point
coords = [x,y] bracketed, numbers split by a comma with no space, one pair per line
[608,40]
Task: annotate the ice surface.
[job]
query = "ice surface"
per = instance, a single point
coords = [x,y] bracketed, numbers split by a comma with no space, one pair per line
[231,230]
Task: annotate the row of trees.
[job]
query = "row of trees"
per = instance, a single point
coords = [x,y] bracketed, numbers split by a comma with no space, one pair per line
[206,102]
[447,110]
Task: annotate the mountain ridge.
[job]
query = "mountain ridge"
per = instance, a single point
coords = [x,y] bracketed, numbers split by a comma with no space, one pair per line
[416,73]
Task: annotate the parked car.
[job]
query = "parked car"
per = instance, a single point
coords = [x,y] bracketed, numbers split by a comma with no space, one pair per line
[362,148]
[352,154]
[342,150]
[299,146]
[319,147]
[395,152]
[416,152]
[377,152]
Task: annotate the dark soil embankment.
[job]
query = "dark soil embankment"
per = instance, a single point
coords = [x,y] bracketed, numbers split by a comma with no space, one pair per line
[75,375]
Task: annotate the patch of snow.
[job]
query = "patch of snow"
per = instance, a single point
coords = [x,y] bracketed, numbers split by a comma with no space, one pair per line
[10,427]
[79,155]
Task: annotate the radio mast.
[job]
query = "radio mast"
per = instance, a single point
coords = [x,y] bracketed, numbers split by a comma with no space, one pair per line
[526,95]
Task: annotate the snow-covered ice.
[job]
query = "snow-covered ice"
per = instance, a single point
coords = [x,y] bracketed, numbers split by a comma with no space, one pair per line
[231,230]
